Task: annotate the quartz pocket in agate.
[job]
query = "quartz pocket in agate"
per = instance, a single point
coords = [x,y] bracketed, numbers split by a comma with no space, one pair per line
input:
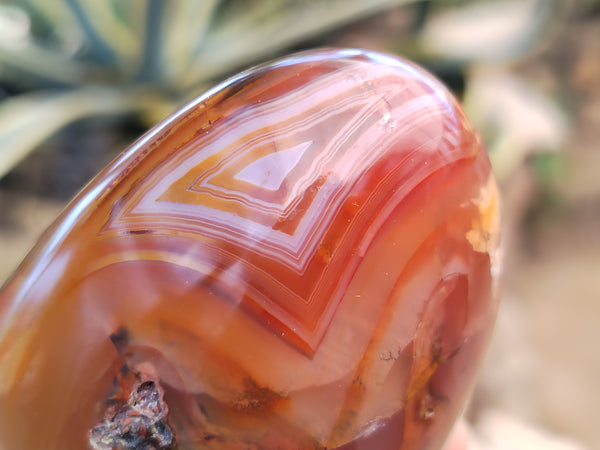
[305,257]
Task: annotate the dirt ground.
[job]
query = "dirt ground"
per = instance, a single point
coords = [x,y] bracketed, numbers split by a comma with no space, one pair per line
[551,311]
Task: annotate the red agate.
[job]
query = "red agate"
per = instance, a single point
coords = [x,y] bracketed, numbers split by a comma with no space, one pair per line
[305,257]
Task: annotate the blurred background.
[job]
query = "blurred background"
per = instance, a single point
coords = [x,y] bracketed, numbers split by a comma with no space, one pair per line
[80,80]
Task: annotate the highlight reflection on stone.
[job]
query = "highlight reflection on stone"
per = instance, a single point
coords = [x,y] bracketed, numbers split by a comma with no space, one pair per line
[303,258]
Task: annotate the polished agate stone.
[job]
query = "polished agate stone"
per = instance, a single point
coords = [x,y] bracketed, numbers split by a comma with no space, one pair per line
[305,257]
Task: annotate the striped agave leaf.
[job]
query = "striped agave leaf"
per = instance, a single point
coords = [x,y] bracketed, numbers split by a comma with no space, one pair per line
[61,51]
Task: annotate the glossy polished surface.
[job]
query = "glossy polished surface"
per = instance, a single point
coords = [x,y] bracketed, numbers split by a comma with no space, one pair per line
[304,257]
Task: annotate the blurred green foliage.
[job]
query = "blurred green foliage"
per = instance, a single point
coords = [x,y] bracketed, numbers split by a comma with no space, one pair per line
[63,60]
[70,59]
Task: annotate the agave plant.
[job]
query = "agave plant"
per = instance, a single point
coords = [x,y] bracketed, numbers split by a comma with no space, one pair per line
[62,60]
[74,59]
